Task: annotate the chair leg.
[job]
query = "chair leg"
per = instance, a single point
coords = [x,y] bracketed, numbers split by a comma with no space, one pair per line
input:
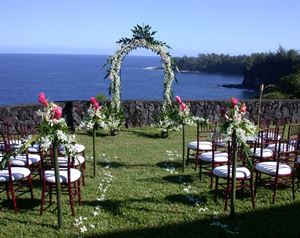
[71,198]
[274,189]
[30,187]
[242,188]
[83,174]
[7,191]
[43,197]
[78,192]
[200,170]
[227,194]
[252,192]
[11,188]
[50,193]
[187,156]
[255,183]
[293,185]
[216,188]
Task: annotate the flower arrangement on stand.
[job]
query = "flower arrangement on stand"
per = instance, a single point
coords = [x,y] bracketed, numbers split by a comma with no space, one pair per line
[235,128]
[53,131]
[95,120]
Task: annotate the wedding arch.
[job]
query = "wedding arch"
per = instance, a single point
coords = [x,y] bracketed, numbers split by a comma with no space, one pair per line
[142,37]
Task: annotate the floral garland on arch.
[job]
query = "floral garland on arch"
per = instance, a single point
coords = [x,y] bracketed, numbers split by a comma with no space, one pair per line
[142,38]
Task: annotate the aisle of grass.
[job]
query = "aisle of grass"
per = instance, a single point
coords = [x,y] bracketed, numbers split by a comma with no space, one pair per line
[140,191]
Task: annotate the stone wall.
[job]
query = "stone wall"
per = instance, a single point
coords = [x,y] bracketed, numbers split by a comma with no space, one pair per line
[141,113]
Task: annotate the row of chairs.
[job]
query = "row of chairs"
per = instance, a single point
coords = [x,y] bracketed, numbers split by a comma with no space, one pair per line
[19,170]
[274,153]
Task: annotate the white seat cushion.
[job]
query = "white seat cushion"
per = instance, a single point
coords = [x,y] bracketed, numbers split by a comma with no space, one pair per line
[269,167]
[17,173]
[63,173]
[79,148]
[20,160]
[35,148]
[265,153]
[220,157]
[241,172]
[64,160]
[220,143]
[203,145]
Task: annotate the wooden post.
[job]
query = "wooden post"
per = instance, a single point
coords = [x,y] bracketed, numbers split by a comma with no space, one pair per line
[57,181]
[94,150]
[183,147]
[261,89]
[233,176]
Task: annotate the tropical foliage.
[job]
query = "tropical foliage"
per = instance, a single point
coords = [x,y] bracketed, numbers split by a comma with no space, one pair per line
[279,70]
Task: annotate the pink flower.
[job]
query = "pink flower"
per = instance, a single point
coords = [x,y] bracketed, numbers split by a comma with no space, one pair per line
[182,106]
[243,108]
[234,101]
[178,100]
[57,112]
[96,105]
[42,99]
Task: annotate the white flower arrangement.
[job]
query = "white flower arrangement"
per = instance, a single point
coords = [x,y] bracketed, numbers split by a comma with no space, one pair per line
[95,117]
[234,122]
[173,117]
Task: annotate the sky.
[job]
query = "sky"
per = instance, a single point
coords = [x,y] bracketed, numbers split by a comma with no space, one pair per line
[190,27]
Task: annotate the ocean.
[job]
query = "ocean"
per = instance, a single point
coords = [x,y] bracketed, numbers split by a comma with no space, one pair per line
[79,77]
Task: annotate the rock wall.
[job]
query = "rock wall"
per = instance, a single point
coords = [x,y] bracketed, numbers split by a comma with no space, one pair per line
[142,113]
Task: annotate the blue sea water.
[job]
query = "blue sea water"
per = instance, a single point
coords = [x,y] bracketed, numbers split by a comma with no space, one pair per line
[79,77]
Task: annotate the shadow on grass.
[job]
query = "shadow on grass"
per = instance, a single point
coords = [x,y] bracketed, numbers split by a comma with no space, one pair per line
[178,179]
[114,206]
[24,204]
[113,164]
[187,199]
[273,222]
[151,135]
[168,164]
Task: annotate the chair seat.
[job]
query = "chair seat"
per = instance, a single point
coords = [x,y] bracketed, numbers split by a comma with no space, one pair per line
[265,153]
[79,148]
[222,172]
[75,174]
[35,148]
[77,161]
[220,143]
[220,157]
[17,173]
[269,167]
[203,145]
[20,160]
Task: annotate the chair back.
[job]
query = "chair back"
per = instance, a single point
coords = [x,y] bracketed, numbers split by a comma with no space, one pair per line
[288,152]
[293,131]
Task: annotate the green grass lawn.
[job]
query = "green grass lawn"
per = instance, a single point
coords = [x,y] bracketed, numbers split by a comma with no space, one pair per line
[140,191]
